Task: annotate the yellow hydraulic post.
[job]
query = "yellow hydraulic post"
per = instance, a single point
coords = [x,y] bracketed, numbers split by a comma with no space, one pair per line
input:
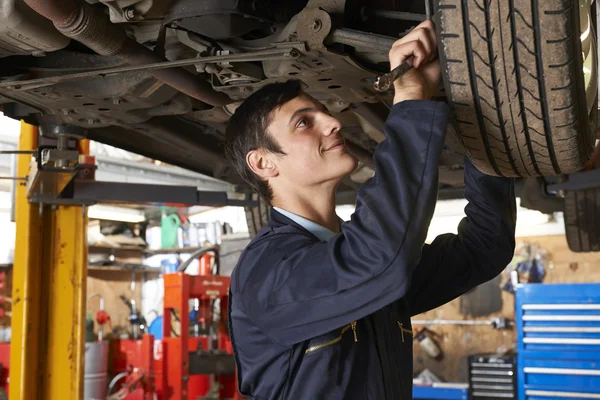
[66,230]
[49,285]
[26,326]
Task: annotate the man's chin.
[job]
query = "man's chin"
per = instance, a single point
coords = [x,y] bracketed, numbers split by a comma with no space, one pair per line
[352,162]
[346,166]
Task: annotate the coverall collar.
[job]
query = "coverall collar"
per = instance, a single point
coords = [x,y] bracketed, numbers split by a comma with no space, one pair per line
[319,231]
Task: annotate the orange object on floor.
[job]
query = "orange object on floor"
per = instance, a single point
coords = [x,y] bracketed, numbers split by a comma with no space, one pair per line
[127,354]
[5,362]
[179,289]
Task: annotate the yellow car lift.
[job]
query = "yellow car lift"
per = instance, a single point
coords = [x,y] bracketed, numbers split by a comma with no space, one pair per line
[50,265]
[49,286]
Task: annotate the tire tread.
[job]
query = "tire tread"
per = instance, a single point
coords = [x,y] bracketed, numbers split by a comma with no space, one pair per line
[582,220]
[513,78]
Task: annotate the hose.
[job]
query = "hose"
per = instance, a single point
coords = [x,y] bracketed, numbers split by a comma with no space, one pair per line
[198,253]
[114,381]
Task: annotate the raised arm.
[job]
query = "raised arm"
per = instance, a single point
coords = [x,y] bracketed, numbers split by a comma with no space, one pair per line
[454,264]
[307,288]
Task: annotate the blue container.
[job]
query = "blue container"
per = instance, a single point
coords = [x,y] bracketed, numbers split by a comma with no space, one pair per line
[170,265]
[156,328]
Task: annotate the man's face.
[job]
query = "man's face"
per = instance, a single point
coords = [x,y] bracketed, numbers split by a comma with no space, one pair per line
[314,147]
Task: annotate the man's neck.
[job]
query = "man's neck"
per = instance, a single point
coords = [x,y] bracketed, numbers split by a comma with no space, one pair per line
[317,206]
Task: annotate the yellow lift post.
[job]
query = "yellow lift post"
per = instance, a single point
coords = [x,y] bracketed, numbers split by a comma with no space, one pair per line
[50,267]
[49,286]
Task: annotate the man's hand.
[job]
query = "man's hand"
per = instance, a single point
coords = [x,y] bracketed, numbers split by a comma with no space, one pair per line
[421,82]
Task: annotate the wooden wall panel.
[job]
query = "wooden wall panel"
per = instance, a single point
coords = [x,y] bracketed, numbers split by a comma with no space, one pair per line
[458,342]
[112,284]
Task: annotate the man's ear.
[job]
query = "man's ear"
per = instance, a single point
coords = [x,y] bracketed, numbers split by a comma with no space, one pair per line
[261,163]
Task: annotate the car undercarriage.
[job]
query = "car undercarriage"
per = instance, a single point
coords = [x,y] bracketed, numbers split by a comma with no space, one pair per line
[162,77]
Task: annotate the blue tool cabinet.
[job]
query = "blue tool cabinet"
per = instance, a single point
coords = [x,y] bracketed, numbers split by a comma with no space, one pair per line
[558,332]
[441,391]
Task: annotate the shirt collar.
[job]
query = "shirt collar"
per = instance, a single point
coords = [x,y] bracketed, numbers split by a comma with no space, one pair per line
[322,233]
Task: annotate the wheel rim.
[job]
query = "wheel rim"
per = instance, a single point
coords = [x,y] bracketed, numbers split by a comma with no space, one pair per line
[589,53]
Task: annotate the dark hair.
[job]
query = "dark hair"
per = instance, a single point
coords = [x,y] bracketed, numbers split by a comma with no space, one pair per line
[247,130]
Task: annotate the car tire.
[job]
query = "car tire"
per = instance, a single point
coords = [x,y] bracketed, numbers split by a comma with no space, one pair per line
[513,75]
[582,219]
[257,216]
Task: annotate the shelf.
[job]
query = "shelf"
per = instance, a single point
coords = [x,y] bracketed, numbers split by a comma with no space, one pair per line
[174,250]
[107,249]
[107,268]
[122,269]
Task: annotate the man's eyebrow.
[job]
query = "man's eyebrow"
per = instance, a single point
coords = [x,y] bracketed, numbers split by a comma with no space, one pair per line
[302,111]
[307,109]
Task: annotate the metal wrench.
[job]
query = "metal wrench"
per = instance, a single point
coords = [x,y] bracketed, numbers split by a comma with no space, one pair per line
[385,82]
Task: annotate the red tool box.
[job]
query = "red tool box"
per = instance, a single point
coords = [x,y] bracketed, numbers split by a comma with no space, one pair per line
[126,355]
[190,362]
[180,359]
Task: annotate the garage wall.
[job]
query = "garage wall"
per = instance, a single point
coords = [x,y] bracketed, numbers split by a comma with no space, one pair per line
[457,342]
[112,284]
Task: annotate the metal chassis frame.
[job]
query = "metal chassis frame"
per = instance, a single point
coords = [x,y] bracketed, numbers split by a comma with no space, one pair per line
[93,192]
[578,181]
[77,191]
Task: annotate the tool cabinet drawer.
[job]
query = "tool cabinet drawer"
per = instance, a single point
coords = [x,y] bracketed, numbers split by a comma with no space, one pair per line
[558,341]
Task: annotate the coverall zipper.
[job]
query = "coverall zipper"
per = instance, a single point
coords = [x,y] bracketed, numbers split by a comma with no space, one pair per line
[338,339]
[403,329]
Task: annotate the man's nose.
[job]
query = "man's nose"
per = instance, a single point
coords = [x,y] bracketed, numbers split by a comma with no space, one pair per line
[332,125]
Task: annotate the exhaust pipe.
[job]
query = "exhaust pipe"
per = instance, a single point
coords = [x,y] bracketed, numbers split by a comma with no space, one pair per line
[90,26]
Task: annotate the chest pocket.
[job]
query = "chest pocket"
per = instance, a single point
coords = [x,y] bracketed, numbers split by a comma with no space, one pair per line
[331,339]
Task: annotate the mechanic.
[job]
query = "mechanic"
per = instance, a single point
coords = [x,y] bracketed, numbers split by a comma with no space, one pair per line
[321,309]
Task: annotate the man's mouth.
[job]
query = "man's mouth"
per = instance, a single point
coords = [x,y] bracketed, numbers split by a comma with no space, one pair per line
[337,145]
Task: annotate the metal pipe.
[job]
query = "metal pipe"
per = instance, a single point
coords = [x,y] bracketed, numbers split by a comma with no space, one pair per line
[57,11]
[90,26]
[448,322]
[399,15]
[496,323]
[362,40]
[262,55]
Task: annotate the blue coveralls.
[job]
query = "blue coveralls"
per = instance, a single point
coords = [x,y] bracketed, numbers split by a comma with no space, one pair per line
[313,319]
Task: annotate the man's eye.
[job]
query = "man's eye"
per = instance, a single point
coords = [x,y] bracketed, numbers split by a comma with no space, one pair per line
[302,123]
